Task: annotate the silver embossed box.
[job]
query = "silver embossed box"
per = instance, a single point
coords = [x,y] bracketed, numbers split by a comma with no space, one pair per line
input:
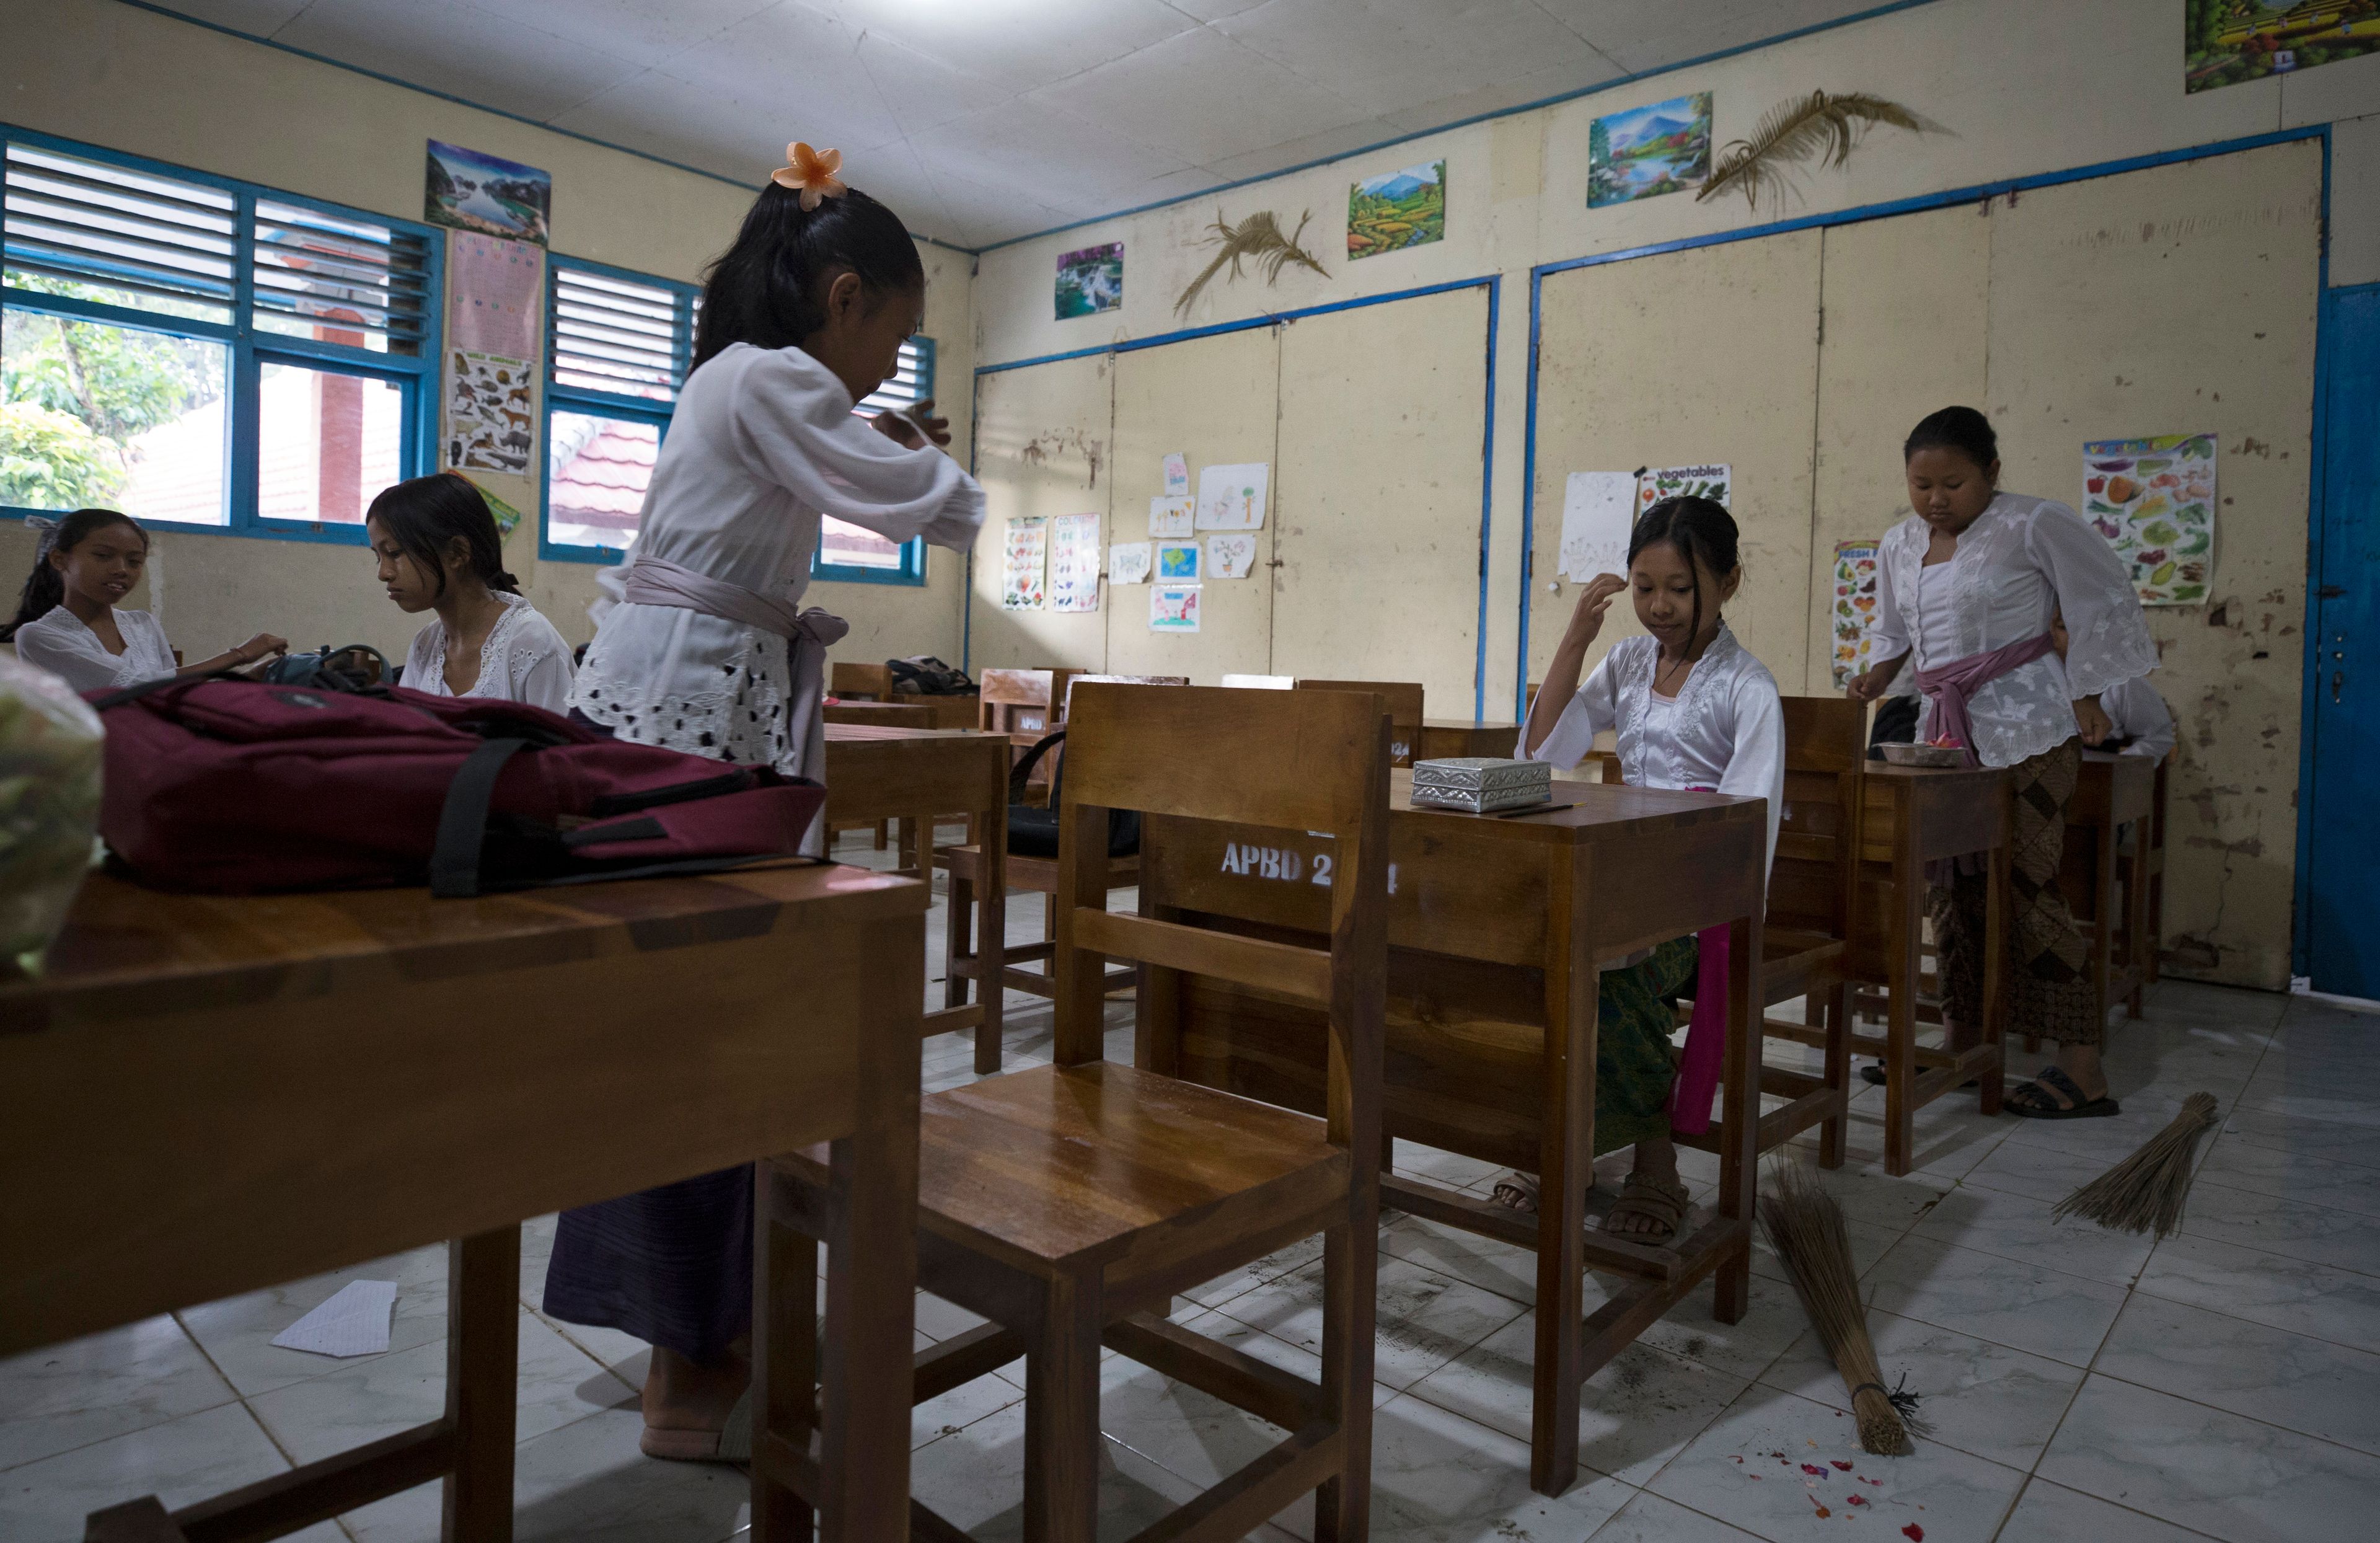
[1481,784]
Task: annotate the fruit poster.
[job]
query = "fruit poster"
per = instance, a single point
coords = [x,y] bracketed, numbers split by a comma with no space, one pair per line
[1853,616]
[2153,499]
[1074,563]
[1023,555]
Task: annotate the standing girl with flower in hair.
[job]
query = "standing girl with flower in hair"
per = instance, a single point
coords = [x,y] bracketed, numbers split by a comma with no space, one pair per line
[439,550]
[1969,589]
[1691,709]
[705,648]
[66,621]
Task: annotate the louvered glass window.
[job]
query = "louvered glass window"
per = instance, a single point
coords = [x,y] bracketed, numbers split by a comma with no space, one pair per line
[851,553]
[618,347]
[202,353]
[613,334]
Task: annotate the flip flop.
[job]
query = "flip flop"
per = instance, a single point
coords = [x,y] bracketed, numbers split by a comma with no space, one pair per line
[730,1443]
[2031,1102]
[1664,1203]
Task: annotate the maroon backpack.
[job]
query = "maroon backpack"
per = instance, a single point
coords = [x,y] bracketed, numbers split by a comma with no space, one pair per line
[236,786]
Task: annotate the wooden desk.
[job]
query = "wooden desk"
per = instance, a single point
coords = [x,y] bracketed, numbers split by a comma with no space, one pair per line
[1496,929]
[1447,738]
[913,775]
[2113,791]
[209,1095]
[1915,815]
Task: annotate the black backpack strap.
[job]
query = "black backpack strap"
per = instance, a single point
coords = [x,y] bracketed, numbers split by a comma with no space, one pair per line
[463,821]
[1020,777]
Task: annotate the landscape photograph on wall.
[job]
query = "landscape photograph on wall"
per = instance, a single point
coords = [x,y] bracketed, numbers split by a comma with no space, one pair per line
[2225,41]
[1397,210]
[471,190]
[1664,148]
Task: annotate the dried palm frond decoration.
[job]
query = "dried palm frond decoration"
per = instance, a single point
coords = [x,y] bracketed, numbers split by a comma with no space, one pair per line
[1819,126]
[2147,1188]
[1256,239]
[1805,1226]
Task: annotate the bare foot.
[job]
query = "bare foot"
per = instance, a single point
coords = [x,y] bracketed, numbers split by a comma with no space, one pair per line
[684,1394]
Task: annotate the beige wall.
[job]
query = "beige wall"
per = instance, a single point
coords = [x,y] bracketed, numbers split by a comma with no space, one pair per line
[132,81]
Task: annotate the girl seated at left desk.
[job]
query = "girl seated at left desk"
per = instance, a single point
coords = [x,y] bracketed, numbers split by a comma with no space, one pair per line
[440,552]
[68,622]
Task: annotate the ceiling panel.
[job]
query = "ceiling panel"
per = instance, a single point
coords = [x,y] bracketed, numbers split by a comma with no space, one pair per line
[984,120]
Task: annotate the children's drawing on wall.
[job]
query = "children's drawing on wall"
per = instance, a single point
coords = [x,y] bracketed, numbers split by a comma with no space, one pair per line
[1177,561]
[1173,608]
[1128,563]
[490,426]
[1021,561]
[1177,475]
[1854,617]
[1171,517]
[1090,281]
[1397,210]
[1665,148]
[1598,509]
[2153,499]
[1230,554]
[1709,480]
[1074,563]
[1232,497]
[2225,41]
[471,190]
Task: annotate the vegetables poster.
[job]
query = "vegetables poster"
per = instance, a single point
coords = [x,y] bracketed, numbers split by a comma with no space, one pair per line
[1854,617]
[2153,499]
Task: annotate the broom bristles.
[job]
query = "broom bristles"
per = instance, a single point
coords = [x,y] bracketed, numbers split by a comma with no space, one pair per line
[1805,1226]
[2147,1188]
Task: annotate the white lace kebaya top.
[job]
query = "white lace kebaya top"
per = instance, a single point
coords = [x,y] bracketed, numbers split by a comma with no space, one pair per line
[763,444]
[2140,716]
[60,643]
[524,659]
[2020,561]
[1726,730]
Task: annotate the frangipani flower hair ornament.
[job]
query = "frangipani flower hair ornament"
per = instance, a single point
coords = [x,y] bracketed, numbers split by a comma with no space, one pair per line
[811,172]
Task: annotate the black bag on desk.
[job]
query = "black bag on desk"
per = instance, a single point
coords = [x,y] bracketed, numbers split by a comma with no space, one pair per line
[357,667]
[924,676]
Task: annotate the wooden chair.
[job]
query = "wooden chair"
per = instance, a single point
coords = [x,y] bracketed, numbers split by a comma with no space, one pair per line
[890,715]
[1813,885]
[1069,1203]
[866,682]
[963,959]
[1404,704]
[1023,705]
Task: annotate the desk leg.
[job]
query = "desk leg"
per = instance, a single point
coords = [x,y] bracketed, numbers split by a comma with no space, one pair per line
[1995,993]
[1566,1149]
[784,1361]
[2139,947]
[2103,918]
[482,1357]
[1902,969]
[1739,1174]
[872,1258]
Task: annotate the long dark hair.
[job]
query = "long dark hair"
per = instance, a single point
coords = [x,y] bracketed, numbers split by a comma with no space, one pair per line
[425,515]
[769,289]
[1703,533]
[1961,429]
[45,588]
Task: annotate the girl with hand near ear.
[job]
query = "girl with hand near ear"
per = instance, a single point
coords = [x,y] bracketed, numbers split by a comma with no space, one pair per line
[439,550]
[66,621]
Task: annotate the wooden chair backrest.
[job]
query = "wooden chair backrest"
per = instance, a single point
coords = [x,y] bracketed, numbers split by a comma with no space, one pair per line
[873,682]
[1029,703]
[1311,761]
[1120,680]
[1403,700]
[1816,877]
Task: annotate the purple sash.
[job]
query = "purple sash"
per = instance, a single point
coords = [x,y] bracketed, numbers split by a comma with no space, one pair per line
[1948,687]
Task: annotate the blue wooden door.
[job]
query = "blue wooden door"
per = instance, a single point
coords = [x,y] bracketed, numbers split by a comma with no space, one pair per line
[2339,844]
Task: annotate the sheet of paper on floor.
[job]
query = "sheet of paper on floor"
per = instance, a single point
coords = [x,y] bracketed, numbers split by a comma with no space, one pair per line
[353,1322]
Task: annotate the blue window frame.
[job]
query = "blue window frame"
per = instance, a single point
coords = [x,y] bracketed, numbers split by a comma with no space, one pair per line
[205,354]
[846,552]
[617,346]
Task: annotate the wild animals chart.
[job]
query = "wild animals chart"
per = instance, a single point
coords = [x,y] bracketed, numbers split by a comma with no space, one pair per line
[490,424]
[2153,499]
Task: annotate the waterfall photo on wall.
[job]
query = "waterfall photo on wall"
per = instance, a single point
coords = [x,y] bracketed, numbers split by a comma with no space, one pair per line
[470,191]
[1090,281]
[1397,210]
[1665,148]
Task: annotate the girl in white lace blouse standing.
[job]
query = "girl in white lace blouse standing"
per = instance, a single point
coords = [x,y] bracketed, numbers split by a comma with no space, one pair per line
[1969,586]
[439,550]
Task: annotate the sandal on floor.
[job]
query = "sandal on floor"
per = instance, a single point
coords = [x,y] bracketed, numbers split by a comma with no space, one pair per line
[1516,1191]
[2033,1101]
[730,1443]
[1662,1202]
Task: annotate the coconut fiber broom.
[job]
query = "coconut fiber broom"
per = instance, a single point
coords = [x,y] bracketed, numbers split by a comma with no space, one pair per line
[2147,1188]
[1805,1226]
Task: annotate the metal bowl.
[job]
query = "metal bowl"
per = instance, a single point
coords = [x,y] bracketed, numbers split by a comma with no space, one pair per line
[1925,755]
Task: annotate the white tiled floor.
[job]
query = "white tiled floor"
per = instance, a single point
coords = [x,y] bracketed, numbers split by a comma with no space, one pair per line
[2080,1385]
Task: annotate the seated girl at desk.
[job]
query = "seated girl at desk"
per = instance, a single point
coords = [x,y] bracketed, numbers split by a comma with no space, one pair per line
[67,624]
[439,550]
[1691,709]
